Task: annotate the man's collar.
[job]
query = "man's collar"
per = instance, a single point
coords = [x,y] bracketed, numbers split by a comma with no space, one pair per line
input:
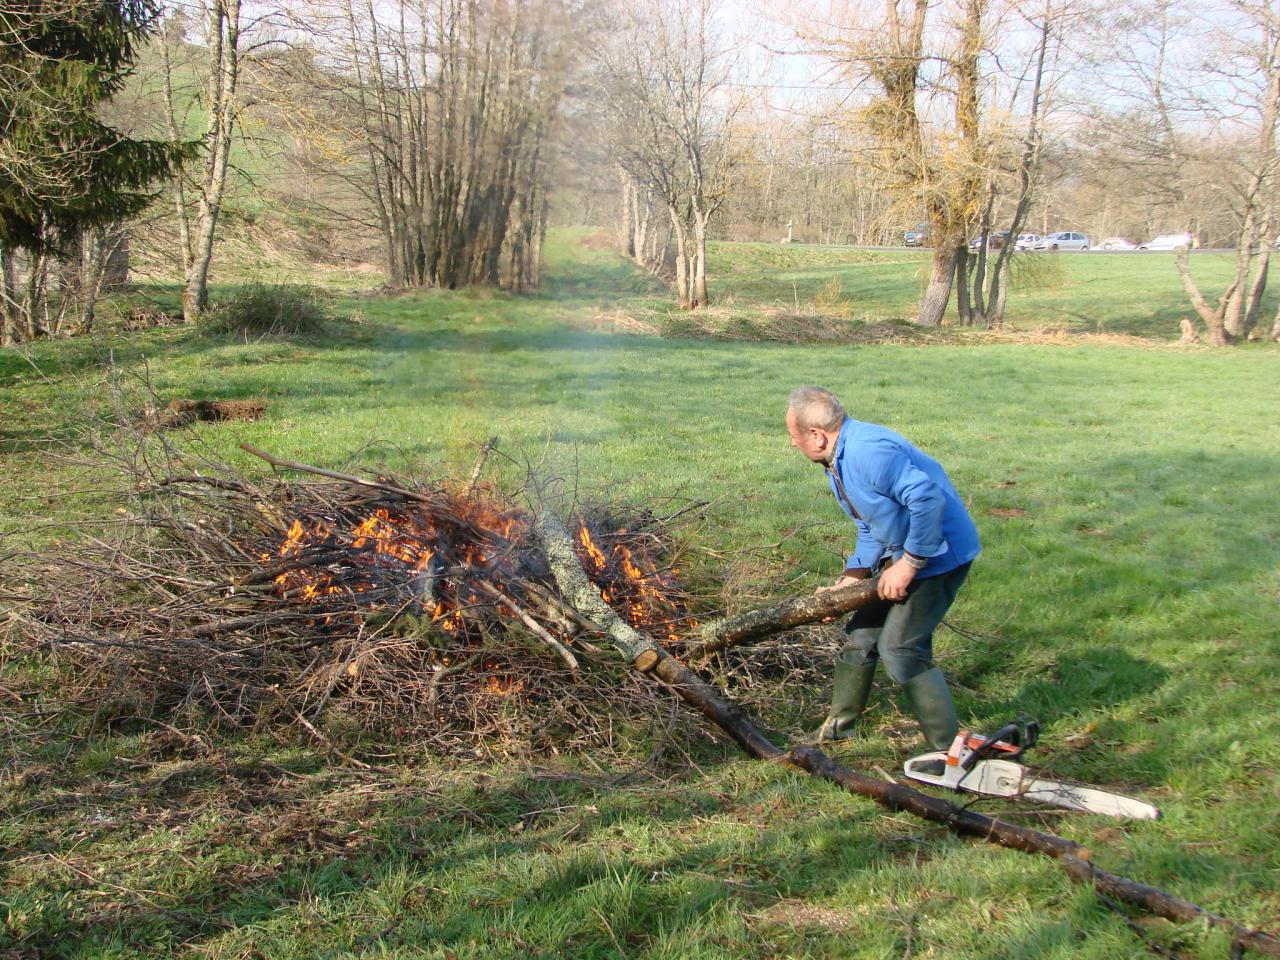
[839,447]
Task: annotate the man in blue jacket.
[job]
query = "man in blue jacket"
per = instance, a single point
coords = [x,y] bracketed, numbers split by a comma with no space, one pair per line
[915,532]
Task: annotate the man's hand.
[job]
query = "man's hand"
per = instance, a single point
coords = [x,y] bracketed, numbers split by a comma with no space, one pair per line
[895,580]
[845,580]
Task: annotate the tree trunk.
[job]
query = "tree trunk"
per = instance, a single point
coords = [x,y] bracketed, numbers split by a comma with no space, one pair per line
[964,307]
[628,226]
[682,258]
[1216,333]
[646,246]
[933,306]
[999,293]
[34,295]
[1256,289]
[700,261]
[179,187]
[224,71]
[10,331]
[94,253]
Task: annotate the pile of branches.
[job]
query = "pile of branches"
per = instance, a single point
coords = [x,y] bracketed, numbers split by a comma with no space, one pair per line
[424,609]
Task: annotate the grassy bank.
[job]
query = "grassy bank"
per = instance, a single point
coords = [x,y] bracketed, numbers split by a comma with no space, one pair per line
[1125,596]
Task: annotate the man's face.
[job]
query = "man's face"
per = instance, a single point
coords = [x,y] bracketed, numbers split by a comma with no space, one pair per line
[810,441]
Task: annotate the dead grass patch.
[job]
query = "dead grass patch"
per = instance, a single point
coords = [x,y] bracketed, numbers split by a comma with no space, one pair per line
[798,914]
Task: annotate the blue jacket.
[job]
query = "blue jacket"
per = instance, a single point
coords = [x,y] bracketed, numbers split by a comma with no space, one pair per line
[900,499]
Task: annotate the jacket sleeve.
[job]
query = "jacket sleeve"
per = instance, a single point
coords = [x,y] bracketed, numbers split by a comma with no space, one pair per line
[891,473]
[867,551]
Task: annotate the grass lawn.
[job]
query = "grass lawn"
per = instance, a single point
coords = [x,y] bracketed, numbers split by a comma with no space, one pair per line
[1126,596]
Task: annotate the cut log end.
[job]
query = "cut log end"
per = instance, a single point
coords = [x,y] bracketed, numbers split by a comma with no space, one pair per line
[647,660]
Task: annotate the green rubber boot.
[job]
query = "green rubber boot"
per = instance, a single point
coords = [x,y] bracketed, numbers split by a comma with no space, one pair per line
[850,690]
[930,701]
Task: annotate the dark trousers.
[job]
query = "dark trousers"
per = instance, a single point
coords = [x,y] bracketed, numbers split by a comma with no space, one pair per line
[900,633]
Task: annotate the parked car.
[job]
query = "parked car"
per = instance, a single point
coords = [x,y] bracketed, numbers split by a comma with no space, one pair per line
[1169,241]
[917,236]
[994,242]
[1025,240]
[1064,240]
[1117,243]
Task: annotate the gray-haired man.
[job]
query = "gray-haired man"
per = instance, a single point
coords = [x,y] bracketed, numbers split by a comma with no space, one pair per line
[913,528]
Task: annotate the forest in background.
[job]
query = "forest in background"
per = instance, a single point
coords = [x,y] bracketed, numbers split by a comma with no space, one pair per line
[433,144]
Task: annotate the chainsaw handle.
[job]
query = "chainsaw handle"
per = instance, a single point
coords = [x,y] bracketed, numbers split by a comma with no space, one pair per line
[1021,734]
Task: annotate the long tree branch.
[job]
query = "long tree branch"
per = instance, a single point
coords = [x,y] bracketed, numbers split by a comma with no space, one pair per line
[649,657]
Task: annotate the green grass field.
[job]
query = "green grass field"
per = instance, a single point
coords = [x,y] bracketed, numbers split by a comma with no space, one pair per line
[1126,596]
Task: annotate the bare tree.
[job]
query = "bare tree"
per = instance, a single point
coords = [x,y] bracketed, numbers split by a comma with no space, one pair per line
[198,195]
[668,107]
[1210,75]
[918,64]
[1015,171]
[442,115]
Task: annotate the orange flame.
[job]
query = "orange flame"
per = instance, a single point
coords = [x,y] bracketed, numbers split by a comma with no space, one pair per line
[392,545]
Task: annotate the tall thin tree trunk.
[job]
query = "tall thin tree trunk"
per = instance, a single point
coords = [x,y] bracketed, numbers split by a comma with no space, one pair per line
[999,293]
[682,258]
[700,261]
[33,296]
[964,267]
[629,214]
[645,246]
[224,71]
[10,330]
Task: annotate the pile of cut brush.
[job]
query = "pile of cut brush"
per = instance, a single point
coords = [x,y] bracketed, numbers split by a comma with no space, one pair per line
[425,609]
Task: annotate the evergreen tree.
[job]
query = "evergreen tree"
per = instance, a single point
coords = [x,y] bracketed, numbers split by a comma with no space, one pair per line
[62,170]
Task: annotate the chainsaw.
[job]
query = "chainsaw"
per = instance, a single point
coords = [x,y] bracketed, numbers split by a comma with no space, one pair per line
[987,765]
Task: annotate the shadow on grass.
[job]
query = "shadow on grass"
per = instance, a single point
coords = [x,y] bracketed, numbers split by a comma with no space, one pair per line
[527,866]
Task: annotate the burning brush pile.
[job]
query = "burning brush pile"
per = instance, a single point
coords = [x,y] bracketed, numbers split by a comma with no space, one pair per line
[426,610]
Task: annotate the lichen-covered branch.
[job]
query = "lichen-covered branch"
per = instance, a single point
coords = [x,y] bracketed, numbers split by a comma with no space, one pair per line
[582,594]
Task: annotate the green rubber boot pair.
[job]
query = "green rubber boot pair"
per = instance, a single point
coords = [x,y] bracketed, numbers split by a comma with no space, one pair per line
[850,691]
[930,701]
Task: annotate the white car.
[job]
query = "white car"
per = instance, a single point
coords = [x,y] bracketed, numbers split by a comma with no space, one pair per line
[1169,241]
[1025,240]
[1117,243]
[1064,240]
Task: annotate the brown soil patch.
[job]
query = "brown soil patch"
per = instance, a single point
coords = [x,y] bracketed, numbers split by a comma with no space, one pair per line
[1007,512]
[179,413]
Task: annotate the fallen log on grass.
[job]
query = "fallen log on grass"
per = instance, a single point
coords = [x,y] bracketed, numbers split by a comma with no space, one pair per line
[649,657]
